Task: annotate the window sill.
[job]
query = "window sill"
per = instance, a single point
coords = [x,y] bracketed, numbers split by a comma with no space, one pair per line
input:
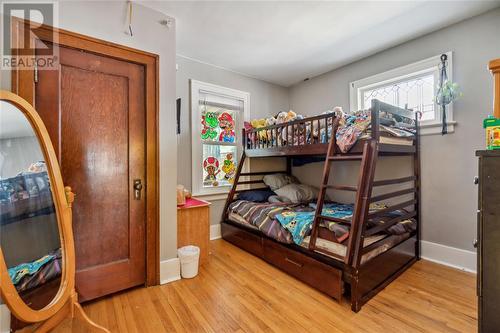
[212,196]
[435,128]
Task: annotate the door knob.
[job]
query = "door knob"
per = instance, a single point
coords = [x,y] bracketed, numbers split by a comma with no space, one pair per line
[475,243]
[137,189]
[476,180]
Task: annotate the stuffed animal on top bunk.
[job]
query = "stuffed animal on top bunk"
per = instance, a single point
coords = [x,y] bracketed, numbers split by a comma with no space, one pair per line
[285,133]
[270,135]
[300,130]
[256,124]
[319,133]
[250,139]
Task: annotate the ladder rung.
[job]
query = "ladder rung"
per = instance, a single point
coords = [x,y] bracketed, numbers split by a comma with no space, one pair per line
[260,173]
[392,208]
[251,189]
[328,253]
[392,195]
[345,157]
[333,219]
[250,182]
[342,187]
[393,181]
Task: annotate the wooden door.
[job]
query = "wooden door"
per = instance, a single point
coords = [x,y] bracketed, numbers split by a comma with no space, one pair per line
[94,110]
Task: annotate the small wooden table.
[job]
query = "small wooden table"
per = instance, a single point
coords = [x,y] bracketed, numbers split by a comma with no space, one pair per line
[193,226]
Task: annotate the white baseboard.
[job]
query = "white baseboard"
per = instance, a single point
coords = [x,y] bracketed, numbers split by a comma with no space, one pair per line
[449,256]
[215,231]
[4,319]
[170,270]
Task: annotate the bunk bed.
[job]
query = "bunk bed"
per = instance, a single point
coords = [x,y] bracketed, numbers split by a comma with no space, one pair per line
[369,258]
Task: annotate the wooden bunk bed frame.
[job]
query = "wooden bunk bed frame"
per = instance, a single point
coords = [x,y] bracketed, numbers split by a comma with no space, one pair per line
[325,271]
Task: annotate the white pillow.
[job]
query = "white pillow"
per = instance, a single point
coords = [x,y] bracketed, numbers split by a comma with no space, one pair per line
[298,192]
[278,180]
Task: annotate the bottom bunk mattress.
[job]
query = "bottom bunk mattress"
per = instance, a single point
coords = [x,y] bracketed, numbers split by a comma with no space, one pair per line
[292,223]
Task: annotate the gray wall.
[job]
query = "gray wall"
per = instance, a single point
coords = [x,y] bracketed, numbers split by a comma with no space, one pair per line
[17,154]
[265,99]
[449,198]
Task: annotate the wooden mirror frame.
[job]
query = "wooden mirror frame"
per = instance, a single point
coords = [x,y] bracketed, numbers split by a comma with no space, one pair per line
[65,303]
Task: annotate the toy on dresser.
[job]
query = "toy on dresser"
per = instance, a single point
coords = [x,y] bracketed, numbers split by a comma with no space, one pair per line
[492,123]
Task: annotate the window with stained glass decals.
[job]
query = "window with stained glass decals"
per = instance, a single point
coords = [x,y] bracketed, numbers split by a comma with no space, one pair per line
[219,165]
[217,114]
[218,124]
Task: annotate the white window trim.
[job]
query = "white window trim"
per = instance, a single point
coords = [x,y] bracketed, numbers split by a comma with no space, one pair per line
[423,66]
[212,193]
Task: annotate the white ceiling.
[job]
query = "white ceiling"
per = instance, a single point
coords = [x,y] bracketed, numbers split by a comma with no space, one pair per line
[285,42]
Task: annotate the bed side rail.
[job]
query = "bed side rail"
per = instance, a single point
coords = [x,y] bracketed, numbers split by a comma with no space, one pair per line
[245,184]
[293,133]
[403,116]
[399,209]
[319,129]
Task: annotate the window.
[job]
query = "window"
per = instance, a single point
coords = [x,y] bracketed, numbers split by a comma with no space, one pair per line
[217,115]
[413,86]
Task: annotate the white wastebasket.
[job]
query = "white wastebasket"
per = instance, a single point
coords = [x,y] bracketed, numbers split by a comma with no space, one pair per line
[189,257]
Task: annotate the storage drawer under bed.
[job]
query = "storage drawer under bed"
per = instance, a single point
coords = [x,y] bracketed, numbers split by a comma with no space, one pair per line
[244,239]
[321,276]
[316,274]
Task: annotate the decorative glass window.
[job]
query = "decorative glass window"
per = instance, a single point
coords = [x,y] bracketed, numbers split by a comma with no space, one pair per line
[217,119]
[413,86]
[415,93]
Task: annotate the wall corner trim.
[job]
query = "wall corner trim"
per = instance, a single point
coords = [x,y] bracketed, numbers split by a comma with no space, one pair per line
[449,256]
[170,270]
[215,232]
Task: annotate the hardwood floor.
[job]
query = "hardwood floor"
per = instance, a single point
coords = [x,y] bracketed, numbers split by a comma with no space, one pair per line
[236,292]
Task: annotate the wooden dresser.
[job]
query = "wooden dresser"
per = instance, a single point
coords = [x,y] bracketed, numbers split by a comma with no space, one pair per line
[488,243]
[193,226]
[488,227]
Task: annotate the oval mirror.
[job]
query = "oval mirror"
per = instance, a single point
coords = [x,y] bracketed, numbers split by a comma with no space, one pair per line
[37,254]
[29,231]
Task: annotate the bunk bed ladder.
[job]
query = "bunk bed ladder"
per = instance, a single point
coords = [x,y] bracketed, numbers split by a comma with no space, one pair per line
[324,185]
[362,202]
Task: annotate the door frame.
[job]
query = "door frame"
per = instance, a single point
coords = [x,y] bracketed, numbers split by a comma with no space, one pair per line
[23,84]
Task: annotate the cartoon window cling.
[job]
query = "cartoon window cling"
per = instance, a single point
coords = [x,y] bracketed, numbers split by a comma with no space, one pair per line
[226,123]
[210,122]
[228,168]
[211,166]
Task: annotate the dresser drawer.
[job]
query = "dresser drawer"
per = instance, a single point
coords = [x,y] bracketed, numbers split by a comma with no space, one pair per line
[316,274]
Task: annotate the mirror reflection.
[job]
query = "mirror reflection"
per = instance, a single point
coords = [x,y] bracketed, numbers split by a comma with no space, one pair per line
[29,233]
